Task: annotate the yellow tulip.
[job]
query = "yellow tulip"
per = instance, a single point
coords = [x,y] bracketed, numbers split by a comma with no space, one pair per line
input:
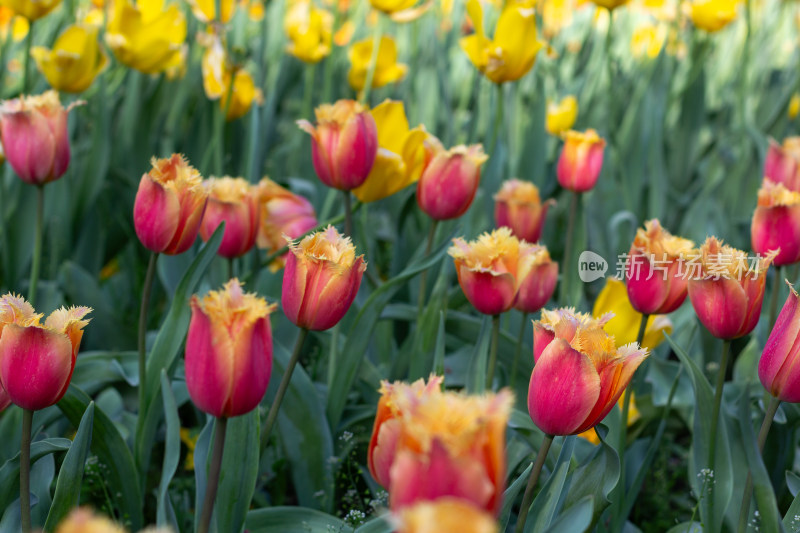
[625,324]
[309,30]
[392,6]
[147,37]
[75,60]
[794,106]
[633,416]
[512,52]
[401,154]
[556,15]
[561,115]
[713,15]
[206,10]
[217,79]
[609,4]
[10,21]
[387,69]
[31,9]
[647,40]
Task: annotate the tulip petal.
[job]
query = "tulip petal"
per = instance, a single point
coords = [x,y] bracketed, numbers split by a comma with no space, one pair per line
[156,213]
[252,366]
[721,305]
[779,366]
[489,292]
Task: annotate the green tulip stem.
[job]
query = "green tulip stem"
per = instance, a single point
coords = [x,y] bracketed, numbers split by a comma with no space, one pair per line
[25,471]
[213,475]
[527,499]
[769,415]
[373,61]
[423,277]
[712,448]
[565,275]
[37,245]
[493,351]
[773,303]
[499,112]
[284,386]
[518,349]
[27,63]
[146,290]
[348,214]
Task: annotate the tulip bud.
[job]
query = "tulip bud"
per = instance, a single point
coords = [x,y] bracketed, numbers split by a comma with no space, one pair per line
[228,351]
[519,207]
[418,458]
[344,143]
[581,160]
[321,279]
[37,360]
[35,138]
[32,10]
[491,268]
[712,15]
[536,289]
[778,368]
[83,520]
[567,321]
[445,515]
[449,183]
[656,279]
[169,206]
[579,377]
[727,290]
[776,223]
[561,115]
[233,201]
[782,164]
[283,214]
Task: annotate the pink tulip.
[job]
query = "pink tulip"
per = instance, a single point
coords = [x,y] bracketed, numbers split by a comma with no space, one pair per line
[321,279]
[449,183]
[776,223]
[567,321]
[283,214]
[519,207]
[233,201]
[228,351]
[537,287]
[778,368]
[782,164]
[581,160]
[35,138]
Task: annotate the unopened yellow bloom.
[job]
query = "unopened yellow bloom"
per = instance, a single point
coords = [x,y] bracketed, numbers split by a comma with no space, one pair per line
[387,69]
[206,10]
[647,40]
[713,15]
[794,106]
[512,52]
[401,154]
[31,9]
[75,60]
[147,37]
[309,30]
[10,21]
[561,115]
[217,79]
[625,324]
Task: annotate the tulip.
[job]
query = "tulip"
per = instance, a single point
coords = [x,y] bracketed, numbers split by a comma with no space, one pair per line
[31,9]
[727,290]
[321,279]
[283,214]
[445,515]
[233,201]
[581,160]
[449,183]
[613,299]
[536,289]
[647,40]
[403,153]
[655,265]
[35,138]
[609,4]
[387,69]
[228,351]
[776,223]
[146,36]
[782,164]
[83,520]
[344,144]
[206,10]
[633,416]
[491,268]
[37,360]
[561,115]
[393,7]
[217,75]
[512,52]
[519,207]
[579,377]
[309,30]
[75,60]
[565,318]
[169,206]
[417,455]
[11,23]
[778,368]
[713,15]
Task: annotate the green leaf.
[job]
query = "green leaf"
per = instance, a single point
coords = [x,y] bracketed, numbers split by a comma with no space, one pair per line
[511,494]
[9,473]
[237,480]
[438,353]
[201,449]
[68,485]
[292,520]
[361,331]
[110,448]
[791,520]
[595,478]
[165,349]
[476,376]
[576,518]
[172,450]
[548,502]
[376,525]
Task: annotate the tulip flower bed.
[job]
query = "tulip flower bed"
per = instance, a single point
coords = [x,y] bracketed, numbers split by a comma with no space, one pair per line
[399,266]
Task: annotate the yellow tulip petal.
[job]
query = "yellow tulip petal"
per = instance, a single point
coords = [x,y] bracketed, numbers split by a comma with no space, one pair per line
[515,36]
[414,155]
[387,171]
[390,119]
[656,327]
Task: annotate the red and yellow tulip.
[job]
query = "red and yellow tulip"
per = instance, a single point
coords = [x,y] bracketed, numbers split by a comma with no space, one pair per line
[283,214]
[778,368]
[235,202]
[581,160]
[776,223]
[449,183]
[445,515]
[519,207]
